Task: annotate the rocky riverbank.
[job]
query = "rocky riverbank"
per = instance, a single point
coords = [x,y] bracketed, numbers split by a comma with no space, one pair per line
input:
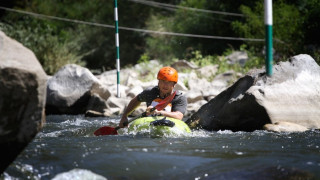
[75,90]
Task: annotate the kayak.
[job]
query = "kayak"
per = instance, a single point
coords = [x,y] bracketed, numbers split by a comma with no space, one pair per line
[159,126]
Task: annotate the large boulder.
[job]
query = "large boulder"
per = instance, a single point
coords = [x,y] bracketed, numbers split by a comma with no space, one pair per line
[22,98]
[69,90]
[291,95]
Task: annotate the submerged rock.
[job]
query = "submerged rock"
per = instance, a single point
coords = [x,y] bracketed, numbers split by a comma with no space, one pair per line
[292,95]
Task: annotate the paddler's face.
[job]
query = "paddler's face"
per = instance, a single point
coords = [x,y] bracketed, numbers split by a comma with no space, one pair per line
[166,87]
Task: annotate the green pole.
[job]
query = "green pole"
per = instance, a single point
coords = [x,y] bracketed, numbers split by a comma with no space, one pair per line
[268,30]
[117,46]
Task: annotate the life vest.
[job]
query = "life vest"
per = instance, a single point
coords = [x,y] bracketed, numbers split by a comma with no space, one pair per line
[157,100]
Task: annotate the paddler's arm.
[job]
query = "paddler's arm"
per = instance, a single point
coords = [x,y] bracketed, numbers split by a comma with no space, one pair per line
[133,104]
[175,114]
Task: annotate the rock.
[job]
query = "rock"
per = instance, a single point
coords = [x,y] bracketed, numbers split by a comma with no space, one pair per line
[228,77]
[194,96]
[284,127]
[133,82]
[100,90]
[193,107]
[22,98]
[183,65]
[134,91]
[238,57]
[148,84]
[293,92]
[292,95]
[116,105]
[215,88]
[79,174]
[151,67]
[180,87]
[207,71]
[91,113]
[68,91]
[96,103]
[113,89]
[110,77]
[185,77]
[225,112]
[200,85]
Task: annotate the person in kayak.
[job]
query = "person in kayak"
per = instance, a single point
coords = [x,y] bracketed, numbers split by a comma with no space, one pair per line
[168,78]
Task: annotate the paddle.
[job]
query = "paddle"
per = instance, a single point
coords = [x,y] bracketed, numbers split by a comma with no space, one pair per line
[107,130]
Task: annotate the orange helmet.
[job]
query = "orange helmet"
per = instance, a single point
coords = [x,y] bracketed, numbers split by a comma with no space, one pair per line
[168,74]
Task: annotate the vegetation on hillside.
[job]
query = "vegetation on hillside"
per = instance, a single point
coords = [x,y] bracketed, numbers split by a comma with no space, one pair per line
[57,42]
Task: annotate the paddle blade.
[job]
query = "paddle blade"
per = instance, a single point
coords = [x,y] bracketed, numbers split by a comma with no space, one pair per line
[105,130]
[165,102]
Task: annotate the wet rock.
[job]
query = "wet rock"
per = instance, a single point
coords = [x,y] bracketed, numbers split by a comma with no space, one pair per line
[22,98]
[231,110]
[292,94]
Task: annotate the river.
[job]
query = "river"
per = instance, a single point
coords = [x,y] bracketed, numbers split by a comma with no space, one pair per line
[67,149]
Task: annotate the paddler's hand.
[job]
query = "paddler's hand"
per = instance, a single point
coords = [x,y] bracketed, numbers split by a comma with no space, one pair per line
[148,111]
[123,122]
[154,113]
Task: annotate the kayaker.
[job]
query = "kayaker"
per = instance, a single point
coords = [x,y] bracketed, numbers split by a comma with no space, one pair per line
[168,78]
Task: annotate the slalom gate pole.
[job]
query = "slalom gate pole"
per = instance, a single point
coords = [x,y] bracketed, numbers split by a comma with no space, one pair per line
[117,46]
[268,36]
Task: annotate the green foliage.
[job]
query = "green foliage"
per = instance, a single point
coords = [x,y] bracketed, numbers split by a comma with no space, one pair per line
[201,60]
[52,51]
[55,43]
[287,33]
[223,65]
[144,58]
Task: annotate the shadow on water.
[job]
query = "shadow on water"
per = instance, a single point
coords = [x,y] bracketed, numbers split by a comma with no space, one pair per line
[67,145]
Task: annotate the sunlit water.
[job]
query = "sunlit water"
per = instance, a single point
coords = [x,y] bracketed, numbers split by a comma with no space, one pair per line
[67,149]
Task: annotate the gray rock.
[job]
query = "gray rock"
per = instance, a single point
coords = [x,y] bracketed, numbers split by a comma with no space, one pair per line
[110,77]
[238,57]
[183,65]
[194,96]
[133,92]
[68,91]
[207,71]
[96,103]
[292,95]
[100,90]
[22,98]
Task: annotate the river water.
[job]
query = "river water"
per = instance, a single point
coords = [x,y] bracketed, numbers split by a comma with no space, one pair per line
[67,149]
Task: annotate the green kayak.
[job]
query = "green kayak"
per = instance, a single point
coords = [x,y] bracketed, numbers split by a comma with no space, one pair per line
[159,126]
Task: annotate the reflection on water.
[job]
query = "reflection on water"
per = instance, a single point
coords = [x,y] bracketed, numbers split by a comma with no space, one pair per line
[66,147]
